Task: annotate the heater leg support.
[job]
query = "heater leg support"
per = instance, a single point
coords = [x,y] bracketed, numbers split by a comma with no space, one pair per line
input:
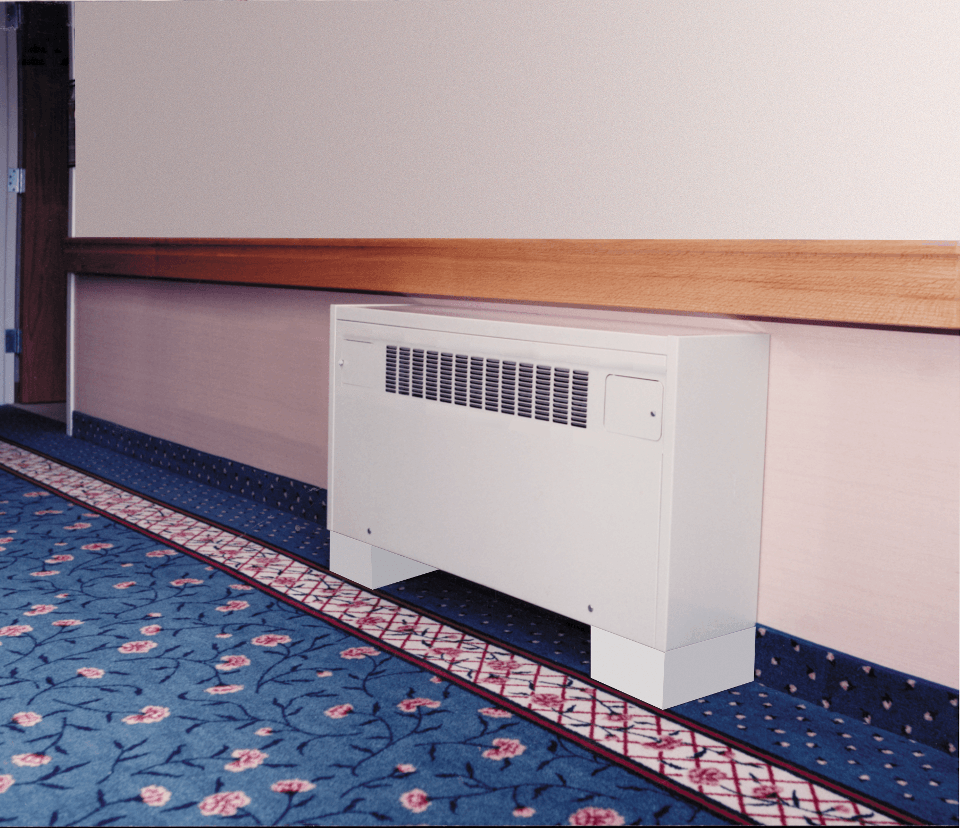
[369,565]
[666,679]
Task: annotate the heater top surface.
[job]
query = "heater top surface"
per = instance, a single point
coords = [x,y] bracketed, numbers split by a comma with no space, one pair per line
[479,320]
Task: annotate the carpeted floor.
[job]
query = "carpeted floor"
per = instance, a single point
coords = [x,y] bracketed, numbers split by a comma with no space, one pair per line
[472,708]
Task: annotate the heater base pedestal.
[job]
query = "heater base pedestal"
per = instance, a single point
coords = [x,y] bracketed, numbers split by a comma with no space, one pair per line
[371,566]
[666,679]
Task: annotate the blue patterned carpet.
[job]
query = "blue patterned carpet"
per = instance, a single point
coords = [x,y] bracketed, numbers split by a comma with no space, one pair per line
[143,682]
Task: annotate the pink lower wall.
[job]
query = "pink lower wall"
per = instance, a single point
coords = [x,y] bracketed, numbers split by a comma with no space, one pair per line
[861,520]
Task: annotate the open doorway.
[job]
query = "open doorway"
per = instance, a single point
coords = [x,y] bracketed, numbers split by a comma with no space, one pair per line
[37,75]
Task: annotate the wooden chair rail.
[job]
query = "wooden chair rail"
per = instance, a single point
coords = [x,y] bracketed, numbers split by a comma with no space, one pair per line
[898,283]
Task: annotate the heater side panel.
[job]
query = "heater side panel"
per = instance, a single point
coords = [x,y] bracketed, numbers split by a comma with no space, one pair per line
[713,560]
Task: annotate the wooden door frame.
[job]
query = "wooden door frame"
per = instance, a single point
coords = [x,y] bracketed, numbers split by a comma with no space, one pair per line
[44,76]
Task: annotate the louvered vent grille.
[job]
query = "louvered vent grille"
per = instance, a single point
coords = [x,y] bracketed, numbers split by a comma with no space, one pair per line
[523,389]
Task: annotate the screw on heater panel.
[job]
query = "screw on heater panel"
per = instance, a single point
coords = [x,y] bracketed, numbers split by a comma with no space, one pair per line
[589,608]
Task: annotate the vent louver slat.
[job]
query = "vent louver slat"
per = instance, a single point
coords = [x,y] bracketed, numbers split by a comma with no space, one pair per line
[404,371]
[578,405]
[431,380]
[561,395]
[417,372]
[461,382]
[391,376]
[545,392]
[446,378]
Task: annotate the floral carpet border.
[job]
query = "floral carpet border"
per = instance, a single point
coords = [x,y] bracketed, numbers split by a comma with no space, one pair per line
[732,779]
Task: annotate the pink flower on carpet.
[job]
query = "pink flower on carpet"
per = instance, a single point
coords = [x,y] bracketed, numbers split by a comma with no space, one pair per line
[34,494]
[503,666]
[26,719]
[409,705]
[49,512]
[59,559]
[93,547]
[338,711]
[270,640]
[40,609]
[292,786]
[15,630]
[149,714]
[224,688]
[358,652]
[284,581]
[90,672]
[370,621]
[63,595]
[491,679]
[232,606]
[225,803]
[669,743]
[495,713]
[224,635]
[150,629]
[241,586]
[523,812]
[74,526]
[446,652]
[621,718]
[767,791]
[124,585]
[136,646]
[90,515]
[405,628]
[30,760]
[415,800]
[546,699]
[6,780]
[67,622]
[44,573]
[595,816]
[185,581]
[354,605]
[233,662]
[155,795]
[245,759]
[7,540]
[406,768]
[504,749]
[324,674]
[264,731]
[437,680]
[154,615]
[706,776]
[161,553]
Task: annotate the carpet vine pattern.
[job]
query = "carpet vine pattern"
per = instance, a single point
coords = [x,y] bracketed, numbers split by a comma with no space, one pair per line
[182,673]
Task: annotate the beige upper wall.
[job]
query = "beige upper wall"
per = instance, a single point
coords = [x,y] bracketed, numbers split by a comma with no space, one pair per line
[502,118]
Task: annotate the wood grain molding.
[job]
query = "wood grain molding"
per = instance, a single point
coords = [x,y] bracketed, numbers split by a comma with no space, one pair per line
[899,283]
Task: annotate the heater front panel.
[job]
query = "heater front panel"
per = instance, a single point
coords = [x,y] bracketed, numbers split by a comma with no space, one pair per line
[528,494]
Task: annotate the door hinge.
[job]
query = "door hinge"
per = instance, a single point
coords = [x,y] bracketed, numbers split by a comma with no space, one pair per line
[14,341]
[16,179]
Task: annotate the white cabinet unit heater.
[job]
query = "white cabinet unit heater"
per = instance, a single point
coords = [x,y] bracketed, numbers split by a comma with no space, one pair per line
[607,470]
